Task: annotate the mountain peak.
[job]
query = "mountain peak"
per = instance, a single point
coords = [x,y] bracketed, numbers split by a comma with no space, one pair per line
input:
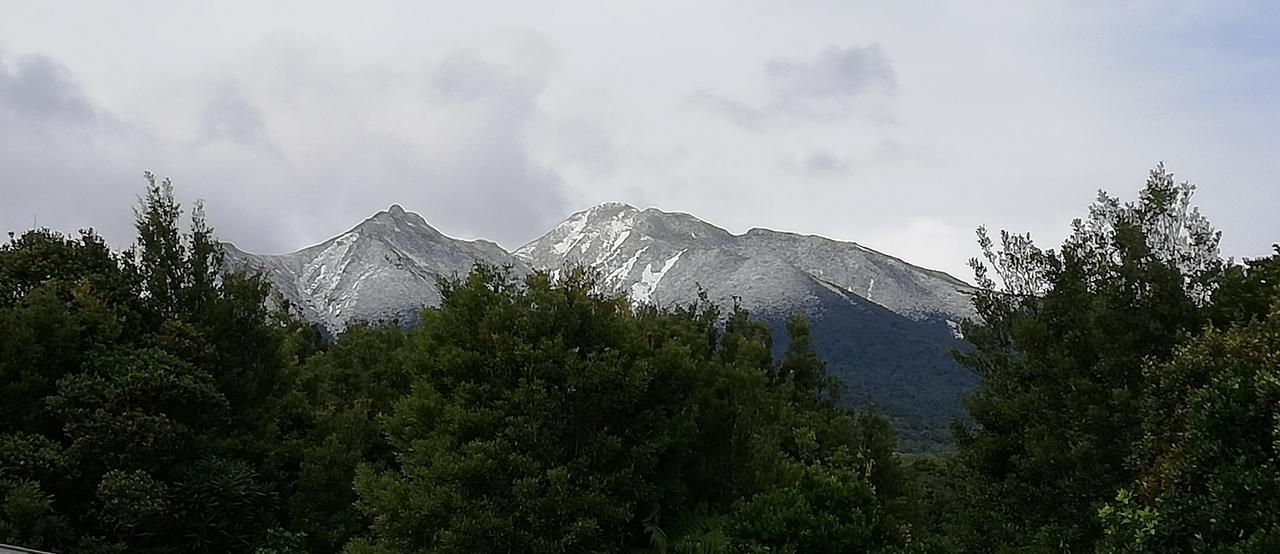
[607,209]
[396,216]
[387,267]
[383,269]
[397,213]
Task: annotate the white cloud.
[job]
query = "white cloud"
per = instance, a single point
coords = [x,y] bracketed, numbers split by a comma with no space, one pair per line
[857,121]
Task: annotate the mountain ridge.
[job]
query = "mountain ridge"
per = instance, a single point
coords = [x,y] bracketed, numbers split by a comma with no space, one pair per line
[483,250]
[885,326]
[612,237]
[383,268]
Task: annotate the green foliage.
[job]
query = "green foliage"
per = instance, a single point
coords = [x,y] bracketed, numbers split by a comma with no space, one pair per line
[1127,527]
[546,417]
[134,506]
[689,531]
[152,403]
[827,509]
[1129,401]
[27,515]
[1060,351]
[139,392]
[800,364]
[348,389]
[1247,291]
[1208,479]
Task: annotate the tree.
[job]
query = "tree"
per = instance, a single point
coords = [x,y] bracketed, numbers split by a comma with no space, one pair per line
[348,388]
[1207,478]
[546,417]
[141,392]
[800,364]
[827,509]
[1059,351]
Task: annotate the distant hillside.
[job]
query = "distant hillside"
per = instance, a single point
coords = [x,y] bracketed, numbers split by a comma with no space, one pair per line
[886,327]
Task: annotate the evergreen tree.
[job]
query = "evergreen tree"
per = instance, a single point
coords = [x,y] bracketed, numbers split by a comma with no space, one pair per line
[1207,478]
[1060,350]
[547,417]
[139,395]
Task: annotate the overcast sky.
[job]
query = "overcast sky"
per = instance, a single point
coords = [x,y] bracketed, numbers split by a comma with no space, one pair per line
[899,125]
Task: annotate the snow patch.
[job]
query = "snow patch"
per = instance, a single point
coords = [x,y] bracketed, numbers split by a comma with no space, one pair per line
[624,270]
[642,291]
[842,293]
[595,241]
[321,278]
[617,243]
[322,274]
[572,233]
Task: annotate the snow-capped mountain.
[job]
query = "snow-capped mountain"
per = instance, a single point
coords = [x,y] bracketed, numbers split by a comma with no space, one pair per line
[661,257]
[886,327]
[385,268]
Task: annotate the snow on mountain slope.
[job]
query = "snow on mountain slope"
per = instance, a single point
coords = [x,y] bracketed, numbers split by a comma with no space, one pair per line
[662,257]
[908,290]
[386,266]
[383,269]
[883,325]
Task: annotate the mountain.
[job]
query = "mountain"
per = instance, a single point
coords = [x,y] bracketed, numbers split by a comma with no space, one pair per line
[383,269]
[659,256]
[885,327]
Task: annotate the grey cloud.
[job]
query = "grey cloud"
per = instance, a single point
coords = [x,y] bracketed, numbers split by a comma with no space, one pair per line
[513,71]
[825,163]
[462,76]
[231,116]
[497,177]
[740,113]
[448,137]
[832,82]
[581,142]
[392,109]
[888,151]
[35,90]
[462,159]
[816,164]
[57,162]
[502,195]
[837,83]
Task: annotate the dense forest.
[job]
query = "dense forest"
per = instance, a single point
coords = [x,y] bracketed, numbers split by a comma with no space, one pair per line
[1128,400]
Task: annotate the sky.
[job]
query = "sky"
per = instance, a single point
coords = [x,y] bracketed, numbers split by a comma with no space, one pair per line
[899,125]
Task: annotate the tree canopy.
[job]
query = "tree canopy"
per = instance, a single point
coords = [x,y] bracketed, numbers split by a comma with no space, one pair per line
[1085,374]
[152,401]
